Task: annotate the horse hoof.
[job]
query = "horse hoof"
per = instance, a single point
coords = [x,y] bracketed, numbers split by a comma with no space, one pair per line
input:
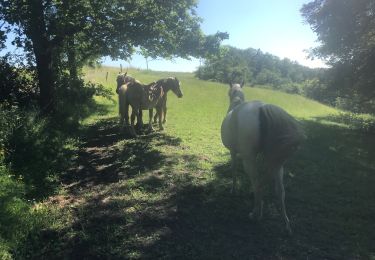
[161,128]
[164,121]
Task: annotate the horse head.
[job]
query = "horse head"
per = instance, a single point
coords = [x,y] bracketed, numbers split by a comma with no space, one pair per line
[123,78]
[236,95]
[175,86]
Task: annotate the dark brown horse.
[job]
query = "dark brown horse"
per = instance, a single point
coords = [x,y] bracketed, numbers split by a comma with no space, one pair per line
[141,97]
[161,107]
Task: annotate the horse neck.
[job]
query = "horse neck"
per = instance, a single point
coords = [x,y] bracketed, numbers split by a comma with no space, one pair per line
[166,86]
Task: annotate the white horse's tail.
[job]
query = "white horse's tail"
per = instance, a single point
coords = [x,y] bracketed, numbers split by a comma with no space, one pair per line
[281,134]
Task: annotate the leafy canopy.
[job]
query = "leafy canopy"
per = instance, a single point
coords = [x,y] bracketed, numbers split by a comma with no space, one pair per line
[113,28]
[346,31]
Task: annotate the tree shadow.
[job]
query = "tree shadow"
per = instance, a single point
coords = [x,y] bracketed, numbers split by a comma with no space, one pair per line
[139,203]
[103,160]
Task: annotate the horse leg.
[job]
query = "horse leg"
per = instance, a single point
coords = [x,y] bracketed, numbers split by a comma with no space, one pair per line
[132,119]
[126,114]
[234,171]
[250,168]
[160,112]
[156,117]
[280,194]
[139,124]
[121,121]
[165,112]
[150,112]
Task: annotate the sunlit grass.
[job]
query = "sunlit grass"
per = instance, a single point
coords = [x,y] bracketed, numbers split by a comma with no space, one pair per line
[196,118]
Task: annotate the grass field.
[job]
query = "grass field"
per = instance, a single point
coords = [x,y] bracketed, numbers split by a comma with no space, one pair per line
[167,194]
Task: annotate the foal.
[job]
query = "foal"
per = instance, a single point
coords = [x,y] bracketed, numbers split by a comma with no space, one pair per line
[261,135]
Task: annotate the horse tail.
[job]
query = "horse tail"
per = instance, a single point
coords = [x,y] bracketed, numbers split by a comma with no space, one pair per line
[280,133]
[122,99]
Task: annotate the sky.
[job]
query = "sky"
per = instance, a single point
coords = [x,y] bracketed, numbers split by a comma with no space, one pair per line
[273,26]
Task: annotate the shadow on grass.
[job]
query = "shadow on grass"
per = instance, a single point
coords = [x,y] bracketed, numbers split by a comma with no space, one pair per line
[140,203]
[109,154]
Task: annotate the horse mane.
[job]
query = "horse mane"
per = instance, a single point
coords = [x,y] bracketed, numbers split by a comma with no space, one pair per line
[280,132]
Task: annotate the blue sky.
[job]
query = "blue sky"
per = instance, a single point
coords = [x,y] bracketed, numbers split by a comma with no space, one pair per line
[274,26]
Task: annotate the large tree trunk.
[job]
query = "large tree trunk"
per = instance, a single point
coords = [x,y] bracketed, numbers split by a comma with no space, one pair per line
[43,56]
[72,59]
[46,80]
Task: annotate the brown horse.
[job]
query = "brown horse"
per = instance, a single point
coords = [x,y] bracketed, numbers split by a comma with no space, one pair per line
[161,107]
[123,80]
[141,97]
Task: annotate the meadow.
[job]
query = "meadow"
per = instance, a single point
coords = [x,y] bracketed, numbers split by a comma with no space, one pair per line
[167,194]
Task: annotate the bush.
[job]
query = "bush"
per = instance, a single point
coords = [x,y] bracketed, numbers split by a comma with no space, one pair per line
[319,91]
[75,100]
[17,85]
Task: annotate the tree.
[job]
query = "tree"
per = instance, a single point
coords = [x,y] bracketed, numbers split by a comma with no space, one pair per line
[346,30]
[63,35]
[251,65]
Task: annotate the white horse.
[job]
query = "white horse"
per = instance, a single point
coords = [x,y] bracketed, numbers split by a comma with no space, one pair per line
[261,135]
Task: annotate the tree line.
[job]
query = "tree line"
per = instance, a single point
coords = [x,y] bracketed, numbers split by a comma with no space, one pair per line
[256,68]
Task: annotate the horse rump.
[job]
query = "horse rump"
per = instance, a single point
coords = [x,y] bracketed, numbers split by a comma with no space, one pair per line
[280,134]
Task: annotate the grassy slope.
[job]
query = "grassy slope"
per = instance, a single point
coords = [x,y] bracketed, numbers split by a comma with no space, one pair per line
[166,194]
[197,117]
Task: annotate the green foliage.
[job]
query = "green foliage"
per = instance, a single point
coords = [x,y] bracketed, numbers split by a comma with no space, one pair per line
[34,151]
[75,99]
[256,68]
[17,218]
[345,30]
[316,89]
[17,84]
[228,66]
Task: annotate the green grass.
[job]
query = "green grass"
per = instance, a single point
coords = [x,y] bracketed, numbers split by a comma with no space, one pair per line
[166,194]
